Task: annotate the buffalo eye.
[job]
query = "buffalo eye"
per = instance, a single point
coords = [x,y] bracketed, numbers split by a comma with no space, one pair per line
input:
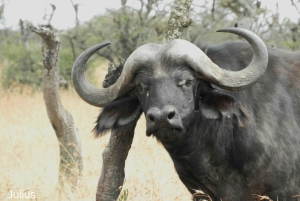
[141,88]
[188,83]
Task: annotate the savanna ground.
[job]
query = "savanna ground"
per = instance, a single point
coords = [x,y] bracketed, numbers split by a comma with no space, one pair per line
[29,153]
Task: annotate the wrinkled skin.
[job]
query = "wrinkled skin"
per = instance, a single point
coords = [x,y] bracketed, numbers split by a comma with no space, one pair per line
[230,145]
[158,98]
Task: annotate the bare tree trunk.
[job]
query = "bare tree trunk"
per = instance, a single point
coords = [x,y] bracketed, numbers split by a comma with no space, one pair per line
[178,20]
[114,156]
[62,121]
[115,153]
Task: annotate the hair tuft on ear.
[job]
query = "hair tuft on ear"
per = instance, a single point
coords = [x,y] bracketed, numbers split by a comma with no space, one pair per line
[216,105]
[118,115]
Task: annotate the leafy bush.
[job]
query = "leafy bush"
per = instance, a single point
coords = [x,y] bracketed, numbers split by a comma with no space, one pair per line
[21,62]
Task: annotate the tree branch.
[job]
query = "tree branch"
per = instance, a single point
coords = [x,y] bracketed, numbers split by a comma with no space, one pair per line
[76,7]
[73,48]
[52,14]
[293,4]
[179,19]
[213,9]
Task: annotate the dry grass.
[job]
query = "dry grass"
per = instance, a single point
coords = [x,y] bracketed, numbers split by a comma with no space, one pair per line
[29,154]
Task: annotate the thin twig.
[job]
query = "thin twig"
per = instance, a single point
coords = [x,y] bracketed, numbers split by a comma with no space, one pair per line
[52,14]
[213,10]
[293,4]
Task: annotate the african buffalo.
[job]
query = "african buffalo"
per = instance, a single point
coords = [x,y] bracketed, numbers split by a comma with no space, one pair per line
[228,114]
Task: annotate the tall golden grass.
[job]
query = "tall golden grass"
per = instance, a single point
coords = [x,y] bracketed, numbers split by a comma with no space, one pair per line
[29,155]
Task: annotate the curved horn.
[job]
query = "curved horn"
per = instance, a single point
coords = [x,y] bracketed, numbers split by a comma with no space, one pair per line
[230,80]
[100,97]
[92,95]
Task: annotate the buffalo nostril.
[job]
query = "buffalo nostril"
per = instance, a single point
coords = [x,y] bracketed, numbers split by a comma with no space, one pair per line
[151,118]
[171,115]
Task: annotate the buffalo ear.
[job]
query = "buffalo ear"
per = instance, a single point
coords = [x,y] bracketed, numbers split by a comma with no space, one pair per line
[119,114]
[216,105]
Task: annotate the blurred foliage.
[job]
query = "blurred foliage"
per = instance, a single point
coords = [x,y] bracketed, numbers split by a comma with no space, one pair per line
[275,32]
[21,59]
[128,28]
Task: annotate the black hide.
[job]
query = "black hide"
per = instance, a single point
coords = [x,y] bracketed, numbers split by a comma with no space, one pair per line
[233,143]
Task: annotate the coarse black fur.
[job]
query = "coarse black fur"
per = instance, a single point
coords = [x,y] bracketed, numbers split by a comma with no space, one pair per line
[112,76]
[239,143]
[118,115]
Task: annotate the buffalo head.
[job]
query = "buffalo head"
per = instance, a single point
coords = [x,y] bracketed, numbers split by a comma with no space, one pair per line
[169,82]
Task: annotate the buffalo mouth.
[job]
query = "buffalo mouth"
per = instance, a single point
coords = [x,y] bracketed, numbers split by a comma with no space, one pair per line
[165,134]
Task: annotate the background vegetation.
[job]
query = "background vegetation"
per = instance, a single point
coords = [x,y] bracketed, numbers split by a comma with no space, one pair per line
[128,28]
